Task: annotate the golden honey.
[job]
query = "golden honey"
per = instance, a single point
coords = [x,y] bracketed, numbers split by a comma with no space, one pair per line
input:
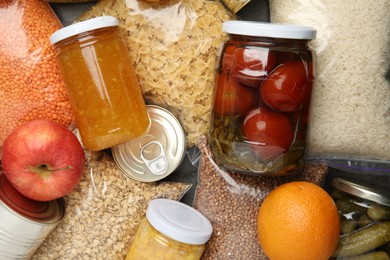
[151,244]
[102,85]
[170,230]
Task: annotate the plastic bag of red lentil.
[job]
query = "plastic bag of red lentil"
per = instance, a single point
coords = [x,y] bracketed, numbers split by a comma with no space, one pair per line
[231,202]
[30,83]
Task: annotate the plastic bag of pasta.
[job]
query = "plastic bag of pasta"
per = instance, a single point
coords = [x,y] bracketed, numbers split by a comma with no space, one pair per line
[174,46]
[235,5]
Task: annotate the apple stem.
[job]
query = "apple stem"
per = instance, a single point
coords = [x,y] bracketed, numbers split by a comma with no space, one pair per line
[46,169]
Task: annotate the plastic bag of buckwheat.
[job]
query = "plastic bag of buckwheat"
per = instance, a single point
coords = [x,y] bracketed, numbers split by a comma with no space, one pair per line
[231,202]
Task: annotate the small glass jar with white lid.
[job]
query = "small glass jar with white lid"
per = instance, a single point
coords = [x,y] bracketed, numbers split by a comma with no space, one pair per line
[170,230]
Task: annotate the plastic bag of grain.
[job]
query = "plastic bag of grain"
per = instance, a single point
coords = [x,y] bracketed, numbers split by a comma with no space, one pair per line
[103,212]
[235,5]
[31,86]
[231,202]
[350,113]
[173,45]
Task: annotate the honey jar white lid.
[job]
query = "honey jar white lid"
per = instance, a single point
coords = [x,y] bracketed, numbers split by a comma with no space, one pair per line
[272,30]
[82,27]
[179,221]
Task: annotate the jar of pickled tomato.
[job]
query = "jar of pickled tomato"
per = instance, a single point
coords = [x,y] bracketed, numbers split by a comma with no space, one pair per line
[101,82]
[170,230]
[261,99]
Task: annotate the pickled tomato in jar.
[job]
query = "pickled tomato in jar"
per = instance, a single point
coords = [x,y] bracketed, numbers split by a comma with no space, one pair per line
[261,99]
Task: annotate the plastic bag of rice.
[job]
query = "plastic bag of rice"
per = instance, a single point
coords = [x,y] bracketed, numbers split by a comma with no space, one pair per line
[174,46]
[350,113]
[103,212]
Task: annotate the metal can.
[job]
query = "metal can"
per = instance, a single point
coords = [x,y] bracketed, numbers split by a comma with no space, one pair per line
[364,211]
[101,82]
[261,98]
[24,223]
[156,154]
[170,230]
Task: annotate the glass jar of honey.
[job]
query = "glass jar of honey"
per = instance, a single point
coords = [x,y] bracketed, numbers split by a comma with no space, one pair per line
[262,91]
[170,230]
[101,82]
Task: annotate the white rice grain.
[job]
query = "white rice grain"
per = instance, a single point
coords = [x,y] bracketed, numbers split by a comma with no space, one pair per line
[351,98]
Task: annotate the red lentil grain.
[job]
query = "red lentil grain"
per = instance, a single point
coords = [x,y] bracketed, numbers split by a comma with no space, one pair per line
[31,86]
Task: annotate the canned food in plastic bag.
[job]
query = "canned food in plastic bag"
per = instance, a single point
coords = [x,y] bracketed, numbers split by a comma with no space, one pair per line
[365,219]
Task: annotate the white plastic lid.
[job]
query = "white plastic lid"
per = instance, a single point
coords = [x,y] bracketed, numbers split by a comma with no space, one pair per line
[84,26]
[179,221]
[273,30]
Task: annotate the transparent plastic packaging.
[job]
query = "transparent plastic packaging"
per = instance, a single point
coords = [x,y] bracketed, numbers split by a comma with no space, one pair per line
[231,201]
[235,5]
[103,212]
[349,118]
[261,98]
[31,86]
[365,219]
[102,86]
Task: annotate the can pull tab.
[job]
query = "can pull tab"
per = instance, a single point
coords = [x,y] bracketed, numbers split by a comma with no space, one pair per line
[157,165]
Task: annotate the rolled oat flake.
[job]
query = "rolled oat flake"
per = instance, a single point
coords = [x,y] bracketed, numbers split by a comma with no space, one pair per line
[156,154]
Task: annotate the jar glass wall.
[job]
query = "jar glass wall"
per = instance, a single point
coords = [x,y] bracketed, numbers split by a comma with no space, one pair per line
[170,230]
[261,99]
[101,82]
[151,244]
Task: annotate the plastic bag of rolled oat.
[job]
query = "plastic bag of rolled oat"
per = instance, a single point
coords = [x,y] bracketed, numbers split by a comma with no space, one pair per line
[103,212]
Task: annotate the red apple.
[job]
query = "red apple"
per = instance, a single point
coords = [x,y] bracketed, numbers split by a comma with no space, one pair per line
[43,159]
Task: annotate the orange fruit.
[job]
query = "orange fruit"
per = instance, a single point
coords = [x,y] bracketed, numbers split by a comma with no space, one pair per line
[298,220]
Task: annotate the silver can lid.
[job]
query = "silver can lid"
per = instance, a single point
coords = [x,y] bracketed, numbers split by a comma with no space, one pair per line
[362,190]
[156,154]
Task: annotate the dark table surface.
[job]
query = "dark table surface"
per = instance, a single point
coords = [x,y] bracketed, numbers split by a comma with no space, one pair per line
[256,10]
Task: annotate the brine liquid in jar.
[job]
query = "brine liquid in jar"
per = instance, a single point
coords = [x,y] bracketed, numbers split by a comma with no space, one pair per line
[261,99]
[102,85]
